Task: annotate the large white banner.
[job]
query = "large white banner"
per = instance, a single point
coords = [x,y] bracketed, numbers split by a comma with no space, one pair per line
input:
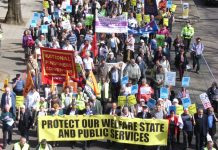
[111,25]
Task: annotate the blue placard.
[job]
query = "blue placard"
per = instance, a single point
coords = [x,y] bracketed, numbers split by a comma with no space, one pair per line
[164,92]
[69,9]
[169,4]
[172,108]
[185,81]
[33,23]
[36,16]
[151,103]
[186,102]
[56,15]
[125,80]
[44,28]
[49,18]
[134,89]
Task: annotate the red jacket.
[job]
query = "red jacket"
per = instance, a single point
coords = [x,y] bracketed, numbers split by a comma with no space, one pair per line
[146,97]
[176,123]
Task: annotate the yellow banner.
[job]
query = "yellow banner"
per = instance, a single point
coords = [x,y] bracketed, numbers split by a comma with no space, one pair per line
[179,110]
[19,101]
[192,109]
[166,21]
[103,127]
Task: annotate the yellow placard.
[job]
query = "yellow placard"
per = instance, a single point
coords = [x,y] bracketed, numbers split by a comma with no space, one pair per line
[139,17]
[121,100]
[19,101]
[179,110]
[173,8]
[166,21]
[133,2]
[103,127]
[147,18]
[132,100]
[192,109]
[45,4]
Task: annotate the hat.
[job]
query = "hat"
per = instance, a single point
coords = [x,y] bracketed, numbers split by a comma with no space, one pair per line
[175,100]
[160,99]
[142,41]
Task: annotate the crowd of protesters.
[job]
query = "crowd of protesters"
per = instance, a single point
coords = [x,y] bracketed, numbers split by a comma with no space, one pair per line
[137,56]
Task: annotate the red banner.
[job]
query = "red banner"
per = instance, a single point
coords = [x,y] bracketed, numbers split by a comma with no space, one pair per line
[55,63]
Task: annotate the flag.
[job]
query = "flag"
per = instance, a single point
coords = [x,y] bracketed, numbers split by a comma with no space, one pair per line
[67,80]
[5,85]
[151,26]
[29,84]
[52,85]
[94,48]
[92,83]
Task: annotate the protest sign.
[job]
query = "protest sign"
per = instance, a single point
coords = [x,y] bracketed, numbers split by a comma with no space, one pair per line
[139,17]
[55,63]
[33,23]
[192,109]
[147,18]
[160,39]
[166,22]
[66,25]
[151,103]
[164,92]
[103,127]
[134,89]
[169,4]
[131,100]
[36,16]
[150,7]
[170,78]
[185,81]
[205,100]
[145,90]
[172,108]
[179,110]
[173,8]
[133,2]
[69,8]
[45,4]
[122,100]
[124,80]
[89,19]
[186,102]
[44,28]
[111,25]
[185,12]
[19,101]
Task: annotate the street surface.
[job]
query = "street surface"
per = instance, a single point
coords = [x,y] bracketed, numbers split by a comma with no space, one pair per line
[11,59]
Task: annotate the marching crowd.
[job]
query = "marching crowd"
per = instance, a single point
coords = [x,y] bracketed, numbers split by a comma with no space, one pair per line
[144,62]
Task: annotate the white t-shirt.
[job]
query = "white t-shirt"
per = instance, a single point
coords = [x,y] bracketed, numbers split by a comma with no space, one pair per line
[78,60]
[69,47]
[131,41]
[88,63]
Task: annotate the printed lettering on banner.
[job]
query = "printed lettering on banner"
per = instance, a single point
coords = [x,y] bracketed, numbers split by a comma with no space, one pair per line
[205,100]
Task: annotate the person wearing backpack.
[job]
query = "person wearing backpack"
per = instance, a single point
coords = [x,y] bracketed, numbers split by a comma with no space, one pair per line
[196,52]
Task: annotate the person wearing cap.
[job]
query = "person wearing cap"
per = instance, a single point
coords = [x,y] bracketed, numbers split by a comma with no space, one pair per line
[43,145]
[25,121]
[21,145]
[18,85]
[187,128]
[187,33]
[196,53]
[9,98]
[180,62]
[7,119]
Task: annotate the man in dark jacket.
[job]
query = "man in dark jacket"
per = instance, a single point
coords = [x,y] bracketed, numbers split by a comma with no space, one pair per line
[114,110]
[25,122]
[145,113]
[200,128]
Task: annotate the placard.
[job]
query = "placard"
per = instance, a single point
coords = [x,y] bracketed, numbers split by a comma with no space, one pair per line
[186,102]
[132,100]
[33,23]
[185,9]
[170,78]
[164,92]
[179,110]
[147,18]
[134,89]
[69,8]
[151,103]
[44,28]
[185,81]
[122,100]
[205,100]
[145,90]
[192,109]
[124,80]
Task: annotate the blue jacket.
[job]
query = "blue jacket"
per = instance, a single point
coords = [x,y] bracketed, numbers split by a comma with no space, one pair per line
[13,102]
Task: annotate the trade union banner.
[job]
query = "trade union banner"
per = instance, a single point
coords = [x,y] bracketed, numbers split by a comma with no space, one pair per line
[111,25]
[55,63]
[103,127]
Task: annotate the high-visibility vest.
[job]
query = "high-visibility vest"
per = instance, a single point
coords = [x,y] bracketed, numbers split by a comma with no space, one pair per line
[187,32]
[207,148]
[17,146]
[46,147]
